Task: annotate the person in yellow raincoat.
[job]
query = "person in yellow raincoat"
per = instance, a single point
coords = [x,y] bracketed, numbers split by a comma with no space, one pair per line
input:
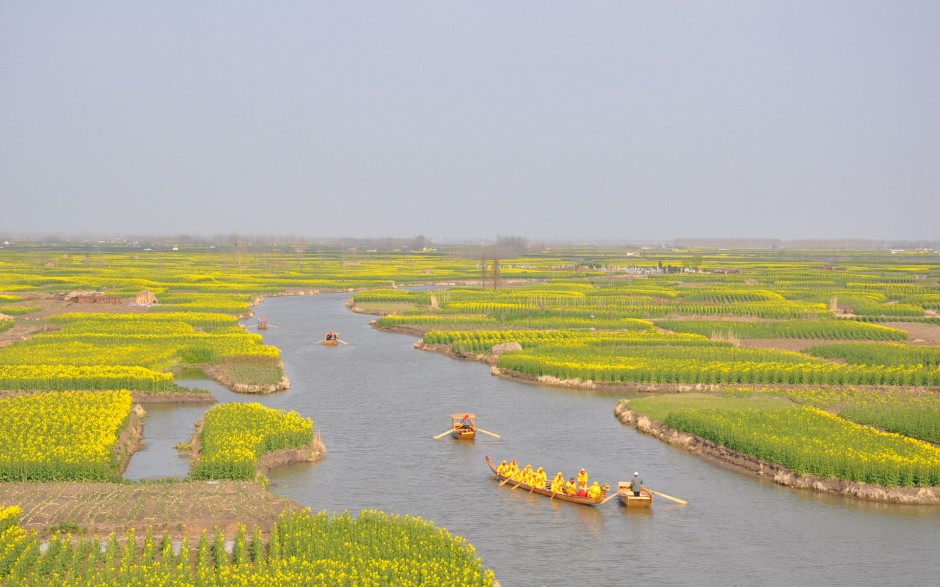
[571,488]
[558,484]
[502,468]
[540,478]
[582,482]
[594,491]
[525,475]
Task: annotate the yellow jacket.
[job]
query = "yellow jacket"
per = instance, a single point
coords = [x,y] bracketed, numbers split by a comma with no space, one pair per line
[540,479]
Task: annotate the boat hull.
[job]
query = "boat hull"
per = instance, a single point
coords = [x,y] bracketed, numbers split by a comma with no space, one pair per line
[542,491]
[464,434]
[644,500]
[331,343]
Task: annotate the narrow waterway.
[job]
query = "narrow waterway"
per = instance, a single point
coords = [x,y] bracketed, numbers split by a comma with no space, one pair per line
[377,402]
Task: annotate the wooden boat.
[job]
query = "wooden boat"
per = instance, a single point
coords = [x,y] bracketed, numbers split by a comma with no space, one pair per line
[461,433]
[546,492]
[334,341]
[644,500]
[262,323]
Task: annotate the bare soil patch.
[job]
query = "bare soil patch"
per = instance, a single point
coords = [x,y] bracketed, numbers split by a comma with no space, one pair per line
[919,332]
[183,508]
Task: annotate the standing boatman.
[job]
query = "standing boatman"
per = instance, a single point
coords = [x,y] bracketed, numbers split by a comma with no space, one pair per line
[636,484]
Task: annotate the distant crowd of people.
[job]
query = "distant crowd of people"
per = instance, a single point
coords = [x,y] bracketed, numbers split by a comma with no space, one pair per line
[538,478]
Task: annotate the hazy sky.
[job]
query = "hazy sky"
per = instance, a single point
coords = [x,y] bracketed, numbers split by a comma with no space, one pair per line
[551,120]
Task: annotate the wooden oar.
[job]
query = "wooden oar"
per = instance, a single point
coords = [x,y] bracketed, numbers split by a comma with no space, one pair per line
[675,499]
[517,484]
[505,481]
[320,341]
[609,497]
[487,432]
[342,341]
[443,434]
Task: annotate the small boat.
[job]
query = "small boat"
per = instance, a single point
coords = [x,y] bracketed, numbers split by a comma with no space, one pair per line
[546,492]
[262,323]
[461,432]
[331,339]
[644,500]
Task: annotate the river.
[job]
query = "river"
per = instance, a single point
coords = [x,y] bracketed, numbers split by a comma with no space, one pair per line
[377,402]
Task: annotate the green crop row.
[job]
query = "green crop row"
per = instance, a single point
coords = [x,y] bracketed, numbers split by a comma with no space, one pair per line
[18,310]
[806,329]
[870,353]
[374,550]
[83,377]
[660,366]
[481,341]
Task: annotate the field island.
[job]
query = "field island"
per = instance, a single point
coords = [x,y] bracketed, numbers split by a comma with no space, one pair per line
[837,352]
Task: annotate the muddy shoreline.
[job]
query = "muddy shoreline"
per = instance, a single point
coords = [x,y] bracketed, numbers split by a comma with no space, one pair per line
[128,441]
[779,474]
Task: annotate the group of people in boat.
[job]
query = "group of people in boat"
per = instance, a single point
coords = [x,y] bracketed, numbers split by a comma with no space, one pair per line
[538,478]
[331,336]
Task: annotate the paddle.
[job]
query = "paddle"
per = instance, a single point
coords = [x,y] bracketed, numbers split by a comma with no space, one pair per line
[517,484]
[443,434]
[675,499]
[342,341]
[505,481]
[609,497]
[487,432]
